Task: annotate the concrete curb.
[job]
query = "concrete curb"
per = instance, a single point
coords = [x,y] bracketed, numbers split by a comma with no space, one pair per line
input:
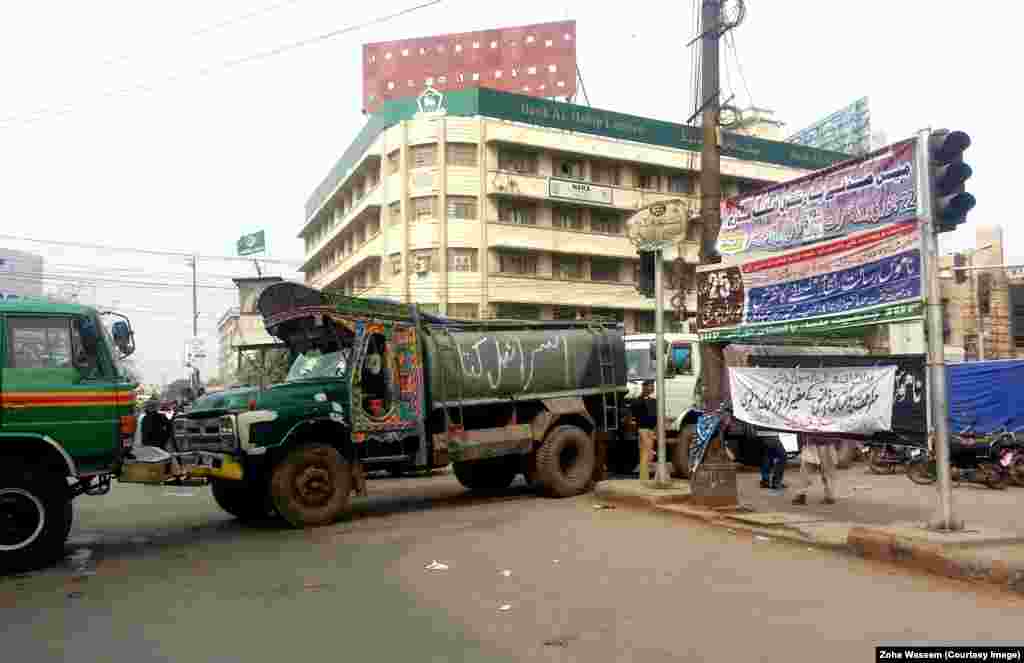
[960,563]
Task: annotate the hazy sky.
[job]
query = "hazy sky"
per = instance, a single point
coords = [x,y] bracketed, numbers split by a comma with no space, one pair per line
[119,126]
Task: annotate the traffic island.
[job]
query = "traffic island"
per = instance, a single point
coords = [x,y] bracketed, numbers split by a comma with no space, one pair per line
[981,554]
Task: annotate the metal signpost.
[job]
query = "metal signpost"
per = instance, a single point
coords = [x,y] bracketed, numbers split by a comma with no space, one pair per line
[653,229]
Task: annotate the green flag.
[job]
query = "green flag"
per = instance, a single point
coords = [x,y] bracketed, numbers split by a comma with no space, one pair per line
[252,243]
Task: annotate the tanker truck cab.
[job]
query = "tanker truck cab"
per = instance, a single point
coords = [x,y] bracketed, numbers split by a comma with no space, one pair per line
[376,384]
[66,405]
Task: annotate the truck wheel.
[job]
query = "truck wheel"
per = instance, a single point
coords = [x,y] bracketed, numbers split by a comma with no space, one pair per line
[35,518]
[565,462]
[311,486]
[245,500]
[487,476]
[679,453]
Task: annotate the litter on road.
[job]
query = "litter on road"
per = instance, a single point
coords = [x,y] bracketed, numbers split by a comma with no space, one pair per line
[436,566]
[762,538]
[506,573]
[602,507]
[505,607]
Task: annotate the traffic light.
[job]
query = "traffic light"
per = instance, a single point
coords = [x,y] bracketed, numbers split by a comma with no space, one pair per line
[646,281]
[950,202]
[959,261]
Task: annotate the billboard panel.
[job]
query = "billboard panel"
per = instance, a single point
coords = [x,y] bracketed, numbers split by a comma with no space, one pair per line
[821,288]
[847,130]
[538,60]
[855,195]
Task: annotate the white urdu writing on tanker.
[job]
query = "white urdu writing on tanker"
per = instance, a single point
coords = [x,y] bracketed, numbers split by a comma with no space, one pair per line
[508,355]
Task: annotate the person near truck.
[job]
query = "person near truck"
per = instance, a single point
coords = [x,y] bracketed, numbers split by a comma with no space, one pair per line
[645,413]
[818,456]
[156,428]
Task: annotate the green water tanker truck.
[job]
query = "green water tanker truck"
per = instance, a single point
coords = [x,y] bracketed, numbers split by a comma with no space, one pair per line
[375,384]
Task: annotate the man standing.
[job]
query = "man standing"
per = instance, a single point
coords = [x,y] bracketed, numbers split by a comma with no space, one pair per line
[645,413]
[818,454]
[773,461]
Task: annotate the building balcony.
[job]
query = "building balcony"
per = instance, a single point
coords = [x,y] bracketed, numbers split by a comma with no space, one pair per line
[545,290]
[373,248]
[507,184]
[501,234]
[336,180]
[367,206]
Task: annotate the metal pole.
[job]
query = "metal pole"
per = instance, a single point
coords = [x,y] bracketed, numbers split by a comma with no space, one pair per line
[195,325]
[936,353]
[661,477]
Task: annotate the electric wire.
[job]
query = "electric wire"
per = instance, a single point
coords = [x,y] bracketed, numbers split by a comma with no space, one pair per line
[46,113]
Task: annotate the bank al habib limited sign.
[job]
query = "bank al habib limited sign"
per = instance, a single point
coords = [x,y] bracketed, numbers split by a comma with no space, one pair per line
[574,190]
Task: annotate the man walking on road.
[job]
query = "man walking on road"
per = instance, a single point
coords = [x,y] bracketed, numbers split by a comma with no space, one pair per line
[817,455]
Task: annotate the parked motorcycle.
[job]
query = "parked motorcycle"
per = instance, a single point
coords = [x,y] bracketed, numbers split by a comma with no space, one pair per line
[889,457]
[995,461]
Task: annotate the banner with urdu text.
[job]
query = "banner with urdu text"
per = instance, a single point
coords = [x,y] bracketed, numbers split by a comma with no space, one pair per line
[871,277]
[855,400]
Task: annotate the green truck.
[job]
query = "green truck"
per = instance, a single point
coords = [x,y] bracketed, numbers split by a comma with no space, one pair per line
[375,384]
[66,405]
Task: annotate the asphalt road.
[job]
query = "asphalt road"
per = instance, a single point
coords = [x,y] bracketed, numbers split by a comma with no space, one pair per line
[161,574]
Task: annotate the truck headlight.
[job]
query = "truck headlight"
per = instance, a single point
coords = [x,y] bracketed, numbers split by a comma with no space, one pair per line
[227,429]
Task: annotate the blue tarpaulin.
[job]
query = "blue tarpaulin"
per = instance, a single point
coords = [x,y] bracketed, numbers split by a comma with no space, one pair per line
[985,394]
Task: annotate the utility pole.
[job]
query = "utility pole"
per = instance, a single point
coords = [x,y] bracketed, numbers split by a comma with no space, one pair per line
[195,323]
[712,354]
[976,301]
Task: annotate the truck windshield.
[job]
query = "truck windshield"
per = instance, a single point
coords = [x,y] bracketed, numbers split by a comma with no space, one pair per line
[115,355]
[314,365]
[638,363]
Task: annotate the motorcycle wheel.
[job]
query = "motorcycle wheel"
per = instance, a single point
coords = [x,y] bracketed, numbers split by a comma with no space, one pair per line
[922,472]
[1017,471]
[996,479]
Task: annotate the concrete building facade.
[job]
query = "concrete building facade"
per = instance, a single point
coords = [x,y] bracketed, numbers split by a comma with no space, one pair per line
[242,327]
[509,206]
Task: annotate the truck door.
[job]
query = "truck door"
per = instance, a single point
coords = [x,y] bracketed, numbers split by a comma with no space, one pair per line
[387,381]
[54,386]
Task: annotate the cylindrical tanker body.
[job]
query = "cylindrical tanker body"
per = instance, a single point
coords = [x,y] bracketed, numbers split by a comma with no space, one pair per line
[476,365]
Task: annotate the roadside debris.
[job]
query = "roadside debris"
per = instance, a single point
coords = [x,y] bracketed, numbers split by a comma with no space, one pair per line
[557,642]
[555,561]
[762,538]
[505,607]
[603,507]
[436,566]
[506,573]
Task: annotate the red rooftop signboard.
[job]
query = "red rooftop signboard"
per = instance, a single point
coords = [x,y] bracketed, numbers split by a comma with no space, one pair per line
[537,60]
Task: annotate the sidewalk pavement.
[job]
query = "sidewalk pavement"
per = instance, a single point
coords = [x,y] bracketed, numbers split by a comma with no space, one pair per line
[877,517]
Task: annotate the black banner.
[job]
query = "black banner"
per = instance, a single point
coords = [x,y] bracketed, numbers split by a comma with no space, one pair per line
[909,416]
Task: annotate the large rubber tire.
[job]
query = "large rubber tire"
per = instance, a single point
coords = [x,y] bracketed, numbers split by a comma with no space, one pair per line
[245,500]
[312,485]
[488,476]
[922,472]
[35,518]
[680,452]
[996,479]
[565,462]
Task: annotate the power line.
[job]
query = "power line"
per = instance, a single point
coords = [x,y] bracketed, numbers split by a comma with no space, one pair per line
[731,41]
[152,252]
[44,113]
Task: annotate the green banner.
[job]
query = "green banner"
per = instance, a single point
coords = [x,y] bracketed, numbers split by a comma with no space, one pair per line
[252,243]
[877,316]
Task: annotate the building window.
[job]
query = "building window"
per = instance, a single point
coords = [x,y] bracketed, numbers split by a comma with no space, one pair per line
[680,184]
[464,311]
[648,180]
[395,213]
[569,313]
[423,208]
[569,168]
[393,162]
[523,215]
[461,154]
[462,260]
[568,218]
[607,314]
[984,295]
[423,261]
[517,311]
[569,268]
[517,263]
[604,269]
[517,162]
[396,263]
[461,207]
[605,173]
[429,308]
[423,155]
[608,224]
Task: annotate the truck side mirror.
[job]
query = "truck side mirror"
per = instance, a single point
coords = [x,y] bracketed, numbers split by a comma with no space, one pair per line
[122,334]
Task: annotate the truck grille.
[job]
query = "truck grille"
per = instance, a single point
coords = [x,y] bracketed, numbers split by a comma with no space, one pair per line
[200,435]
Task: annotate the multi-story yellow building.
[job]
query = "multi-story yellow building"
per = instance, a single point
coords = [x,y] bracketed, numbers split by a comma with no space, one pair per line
[490,204]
